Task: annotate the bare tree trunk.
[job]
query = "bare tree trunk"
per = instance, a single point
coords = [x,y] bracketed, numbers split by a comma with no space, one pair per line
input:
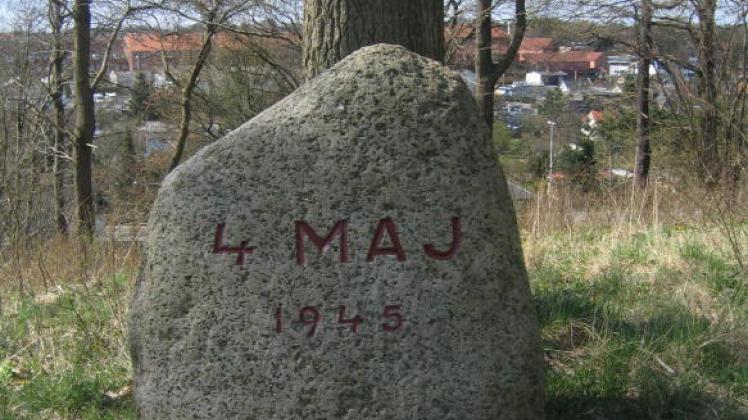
[710,166]
[738,123]
[488,72]
[56,21]
[643,148]
[335,28]
[187,90]
[85,119]
[25,169]
[485,73]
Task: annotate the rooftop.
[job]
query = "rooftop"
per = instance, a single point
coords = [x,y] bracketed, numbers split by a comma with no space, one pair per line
[190,41]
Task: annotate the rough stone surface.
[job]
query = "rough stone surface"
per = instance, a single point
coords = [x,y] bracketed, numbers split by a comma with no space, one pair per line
[384,133]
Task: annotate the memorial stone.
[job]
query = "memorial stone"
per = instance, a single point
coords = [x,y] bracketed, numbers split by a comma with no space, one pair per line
[350,253]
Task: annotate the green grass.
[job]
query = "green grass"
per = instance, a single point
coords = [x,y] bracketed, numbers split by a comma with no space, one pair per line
[641,326]
[63,351]
[651,325]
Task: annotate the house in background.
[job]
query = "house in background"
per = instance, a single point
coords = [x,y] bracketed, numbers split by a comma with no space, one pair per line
[624,65]
[577,64]
[547,78]
[461,42]
[122,78]
[116,60]
[532,46]
[147,51]
[621,65]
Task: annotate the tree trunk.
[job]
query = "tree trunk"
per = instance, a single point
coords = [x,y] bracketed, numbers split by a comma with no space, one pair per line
[187,90]
[85,121]
[710,165]
[56,21]
[485,74]
[335,28]
[488,72]
[643,149]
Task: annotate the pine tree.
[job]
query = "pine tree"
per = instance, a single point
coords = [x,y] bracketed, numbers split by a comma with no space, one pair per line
[125,166]
[141,93]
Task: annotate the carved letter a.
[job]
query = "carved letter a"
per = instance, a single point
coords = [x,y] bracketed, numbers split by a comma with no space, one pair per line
[386,225]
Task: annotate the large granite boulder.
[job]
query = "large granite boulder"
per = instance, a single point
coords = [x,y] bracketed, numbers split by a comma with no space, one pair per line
[350,253]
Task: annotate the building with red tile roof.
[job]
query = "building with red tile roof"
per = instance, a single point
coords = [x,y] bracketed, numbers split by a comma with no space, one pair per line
[535,53]
[529,46]
[145,51]
[462,38]
[575,63]
[537,45]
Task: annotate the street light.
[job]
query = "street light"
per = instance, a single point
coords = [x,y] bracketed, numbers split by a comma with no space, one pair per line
[552,125]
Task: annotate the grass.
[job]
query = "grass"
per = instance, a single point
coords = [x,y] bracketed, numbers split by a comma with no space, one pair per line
[649,324]
[643,325]
[62,351]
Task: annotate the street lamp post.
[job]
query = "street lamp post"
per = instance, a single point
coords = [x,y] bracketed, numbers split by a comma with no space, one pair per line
[550,153]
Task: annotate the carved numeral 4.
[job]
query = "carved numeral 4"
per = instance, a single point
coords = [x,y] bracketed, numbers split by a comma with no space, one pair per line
[240,251]
[355,321]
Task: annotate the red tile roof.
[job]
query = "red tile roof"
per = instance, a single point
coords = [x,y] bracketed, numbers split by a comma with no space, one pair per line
[567,61]
[191,41]
[537,44]
[529,45]
[578,56]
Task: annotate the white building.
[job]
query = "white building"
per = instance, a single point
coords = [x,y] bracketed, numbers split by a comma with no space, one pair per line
[621,65]
[534,78]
